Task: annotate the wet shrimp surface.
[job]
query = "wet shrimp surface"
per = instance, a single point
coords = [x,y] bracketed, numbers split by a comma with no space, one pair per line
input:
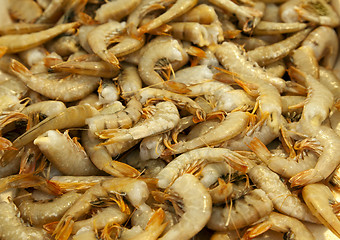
[176,119]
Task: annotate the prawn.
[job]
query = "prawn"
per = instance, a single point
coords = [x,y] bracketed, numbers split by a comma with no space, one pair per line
[304,59]
[219,134]
[321,202]
[24,10]
[197,206]
[165,118]
[22,28]
[283,200]
[12,227]
[293,228]
[266,27]
[71,117]
[103,161]
[194,158]
[21,42]
[203,14]
[129,80]
[45,108]
[67,88]
[39,213]
[177,9]
[125,118]
[247,210]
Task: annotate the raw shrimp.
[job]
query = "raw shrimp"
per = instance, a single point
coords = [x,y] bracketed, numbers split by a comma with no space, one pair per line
[245,211]
[265,27]
[221,192]
[99,38]
[136,191]
[330,81]
[293,228]
[125,118]
[64,46]
[18,43]
[45,108]
[109,215]
[129,80]
[152,147]
[53,12]
[148,93]
[96,69]
[203,14]
[321,201]
[287,11]
[168,49]
[71,183]
[56,86]
[304,59]
[165,118]
[268,96]
[85,234]
[39,213]
[71,117]
[317,12]
[271,53]
[194,158]
[193,75]
[211,172]
[230,127]
[24,10]
[177,9]
[285,166]
[283,199]
[325,48]
[197,208]
[107,92]
[13,228]
[245,14]
[115,10]
[103,161]
[22,28]
[199,34]
[73,160]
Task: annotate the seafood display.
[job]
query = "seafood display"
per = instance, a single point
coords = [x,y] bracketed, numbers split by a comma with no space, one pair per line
[169,119]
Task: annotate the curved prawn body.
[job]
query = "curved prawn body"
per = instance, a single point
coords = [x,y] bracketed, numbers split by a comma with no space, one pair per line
[40,213]
[321,201]
[18,43]
[283,200]
[197,206]
[194,158]
[66,88]
[101,158]
[100,37]
[24,10]
[235,60]
[70,117]
[318,12]
[323,48]
[12,226]
[45,108]
[167,48]
[304,59]
[177,9]
[22,28]
[247,210]
[136,191]
[125,118]
[199,34]
[115,10]
[268,54]
[286,167]
[219,134]
[129,80]
[146,94]
[53,12]
[247,15]
[266,27]
[293,228]
[165,118]
[73,160]
[203,14]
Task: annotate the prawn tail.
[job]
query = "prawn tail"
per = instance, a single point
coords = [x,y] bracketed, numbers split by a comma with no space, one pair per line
[155,224]
[176,87]
[304,178]
[6,144]
[119,169]
[259,149]
[20,69]
[200,116]
[111,58]
[3,50]
[64,228]
[256,230]
[237,163]
[114,136]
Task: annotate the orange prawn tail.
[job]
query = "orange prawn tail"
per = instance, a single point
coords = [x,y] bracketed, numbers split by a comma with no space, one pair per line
[3,50]
[257,230]
[237,163]
[259,148]
[304,178]
[19,68]
[119,169]
[155,223]
[111,58]
[6,144]
[64,229]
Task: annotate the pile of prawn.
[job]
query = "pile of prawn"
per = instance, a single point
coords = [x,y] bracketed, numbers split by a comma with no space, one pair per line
[169,119]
